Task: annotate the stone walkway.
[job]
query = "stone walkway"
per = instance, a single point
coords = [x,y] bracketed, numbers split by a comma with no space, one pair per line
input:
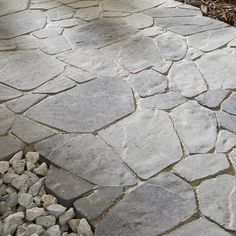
[135,101]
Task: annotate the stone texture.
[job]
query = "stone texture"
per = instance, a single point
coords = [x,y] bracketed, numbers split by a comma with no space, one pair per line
[193,53]
[185,78]
[144,150]
[106,106]
[10,6]
[196,127]
[84,228]
[153,31]
[229,105]
[4,166]
[60,13]
[99,201]
[26,42]
[6,120]
[6,45]
[35,64]
[200,166]
[84,4]
[56,209]
[157,199]
[44,5]
[226,141]
[46,221]
[54,231]
[139,20]
[88,14]
[217,200]
[48,32]
[227,121]
[21,23]
[8,93]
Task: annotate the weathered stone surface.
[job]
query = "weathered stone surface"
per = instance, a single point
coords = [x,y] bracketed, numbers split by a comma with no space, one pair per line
[100,200]
[9,145]
[21,23]
[44,5]
[217,65]
[41,170]
[199,227]
[88,14]
[26,42]
[54,231]
[193,53]
[35,64]
[6,120]
[80,156]
[84,4]
[84,228]
[226,121]
[30,131]
[111,100]
[153,31]
[232,43]
[139,20]
[67,23]
[33,213]
[10,6]
[47,32]
[25,200]
[66,216]
[60,13]
[6,45]
[141,142]
[65,186]
[196,127]
[4,166]
[164,101]
[8,93]
[46,221]
[185,78]
[200,166]
[229,105]
[156,199]
[56,209]
[217,200]
[48,200]
[226,141]
[212,98]
[172,46]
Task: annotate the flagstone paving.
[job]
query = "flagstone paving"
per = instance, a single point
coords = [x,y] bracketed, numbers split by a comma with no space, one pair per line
[133,106]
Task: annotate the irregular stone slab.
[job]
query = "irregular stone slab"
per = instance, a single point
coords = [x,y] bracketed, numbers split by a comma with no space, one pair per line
[108,99]
[98,63]
[8,93]
[30,131]
[227,121]
[88,14]
[9,145]
[10,6]
[173,46]
[213,39]
[99,33]
[21,23]
[164,101]
[226,141]
[156,199]
[81,155]
[60,13]
[60,84]
[65,186]
[6,45]
[26,42]
[99,201]
[68,23]
[49,31]
[196,127]
[232,157]
[141,141]
[199,227]
[148,82]
[6,119]
[217,65]
[78,75]
[35,64]
[200,166]
[84,4]
[185,79]
[44,5]
[193,53]
[229,105]
[217,199]
[139,20]
[153,31]
[21,104]
[212,98]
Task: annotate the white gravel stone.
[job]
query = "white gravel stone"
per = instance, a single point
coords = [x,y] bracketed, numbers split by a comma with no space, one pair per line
[32,157]
[46,221]
[25,200]
[33,213]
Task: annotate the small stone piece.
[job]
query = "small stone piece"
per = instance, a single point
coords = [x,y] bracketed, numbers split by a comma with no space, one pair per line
[32,157]
[25,200]
[42,170]
[34,189]
[19,181]
[66,216]
[84,228]
[48,200]
[4,166]
[74,223]
[56,209]
[12,200]
[54,231]
[35,229]
[46,221]
[19,166]
[18,156]
[33,213]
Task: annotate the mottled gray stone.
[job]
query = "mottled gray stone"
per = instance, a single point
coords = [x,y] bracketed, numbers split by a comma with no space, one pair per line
[212,98]
[6,45]
[185,78]
[149,82]
[226,141]
[193,53]
[229,105]
[9,145]
[25,200]
[217,65]
[213,39]
[26,42]
[217,199]
[141,142]
[153,31]
[33,213]
[8,93]
[227,121]
[200,166]
[56,209]
[47,32]
[30,131]
[65,186]
[172,46]
[156,199]
[21,104]
[66,216]
[46,221]
[109,99]
[6,120]
[10,6]
[60,13]
[164,101]
[57,85]
[81,155]
[200,227]
[100,200]
[196,127]
[84,228]
[21,23]
[32,228]
[35,66]
[54,231]
[139,20]
[88,14]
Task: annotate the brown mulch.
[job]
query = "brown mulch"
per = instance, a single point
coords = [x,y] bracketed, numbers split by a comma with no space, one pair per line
[224,10]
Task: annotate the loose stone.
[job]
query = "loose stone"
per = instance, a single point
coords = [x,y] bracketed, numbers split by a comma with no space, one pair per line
[42,170]
[74,223]
[56,209]
[66,216]
[32,157]
[4,166]
[19,166]
[48,200]
[33,213]
[46,221]
[84,228]
[54,231]
[25,200]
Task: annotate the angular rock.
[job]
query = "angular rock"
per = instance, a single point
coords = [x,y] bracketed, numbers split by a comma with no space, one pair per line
[144,150]
[6,120]
[48,200]
[41,170]
[139,20]
[56,210]
[20,181]
[157,199]
[8,93]
[18,166]
[16,157]
[227,121]
[226,141]
[10,6]
[54,231]
[32,157]
[35,189]
[46,221]
[66,216]
[112,99]
[32,228]
[88,14]
[4,166]
[196,127]
[48,32]
[229,105]
[60,13]
[12,200]
[33,213]
[74,223]
[84,228]
[25,200]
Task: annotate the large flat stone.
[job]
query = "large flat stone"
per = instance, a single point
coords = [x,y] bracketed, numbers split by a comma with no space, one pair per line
[141,141]
[10,6]
[8,93]
[139,20]
[26,70]
[108,100]
[229,105]
[21,23]
[196,127]
[151,209]
[60,13]
[6,119]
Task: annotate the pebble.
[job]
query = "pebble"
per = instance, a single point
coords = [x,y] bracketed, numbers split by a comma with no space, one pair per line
[20,181]
[54,231]
[46,221]
[25,200]
[42,170]
[4,166]
[33,228]
[32,157]
[33,213]
[18,166]
[74,223]
[12,200]
[66,216]
[84,228]
[56,209]
[35,189]
[16,157]
[9,177]
[30,166]
[48,200]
